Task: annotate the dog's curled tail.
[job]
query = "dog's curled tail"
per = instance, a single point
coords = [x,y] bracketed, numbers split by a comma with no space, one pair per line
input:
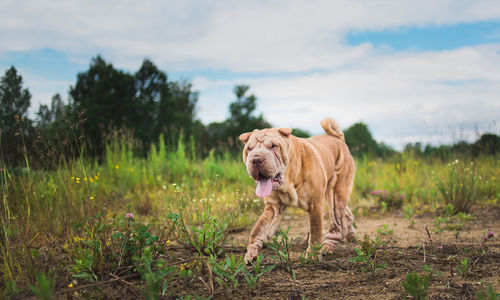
[332,128]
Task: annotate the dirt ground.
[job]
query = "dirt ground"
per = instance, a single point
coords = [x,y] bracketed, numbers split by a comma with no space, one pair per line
[337,277]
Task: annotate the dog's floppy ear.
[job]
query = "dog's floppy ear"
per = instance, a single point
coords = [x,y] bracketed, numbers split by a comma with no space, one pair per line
[245,136]
[285,131]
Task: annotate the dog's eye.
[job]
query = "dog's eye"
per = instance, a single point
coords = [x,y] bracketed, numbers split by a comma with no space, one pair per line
[273,146]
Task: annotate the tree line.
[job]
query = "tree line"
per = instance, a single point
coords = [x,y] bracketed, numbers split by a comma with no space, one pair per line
[106,102]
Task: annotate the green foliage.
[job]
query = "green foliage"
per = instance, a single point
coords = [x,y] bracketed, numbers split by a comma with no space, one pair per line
[241,119]
[313,256]
[464,267]
[409,213]
[45,286]
[451,221]
[15,127]
[385,230]
[432,273]
[368,253]
[489,295]
[156,275]
[83,265]
[207,238]
[360,141]
[257,271]
[459,185]
[416,286]
[226,271]
[281,245]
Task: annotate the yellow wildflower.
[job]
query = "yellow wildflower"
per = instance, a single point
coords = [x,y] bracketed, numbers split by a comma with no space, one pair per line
[117,166]
[91,197]
[70,285]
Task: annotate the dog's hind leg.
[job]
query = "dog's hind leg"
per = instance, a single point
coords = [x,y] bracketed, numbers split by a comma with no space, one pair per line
[333,236]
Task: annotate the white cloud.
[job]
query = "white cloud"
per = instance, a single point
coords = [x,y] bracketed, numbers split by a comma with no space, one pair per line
[402,96]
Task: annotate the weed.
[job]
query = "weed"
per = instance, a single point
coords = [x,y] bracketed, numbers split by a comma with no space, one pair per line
[385,230]
[227,271]
[489,295]
[313,256]
[388,200]
[451,221]
[464,267]
[207,239]
[156,275]
[432,273]
[459,186]
[252,277]
[83,265]
[281,245]
[416,285]
[11,289]
[368,254]
[409,213]
[45,286]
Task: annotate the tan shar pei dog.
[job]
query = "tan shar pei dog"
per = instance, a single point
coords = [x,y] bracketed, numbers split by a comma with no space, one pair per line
[292,171]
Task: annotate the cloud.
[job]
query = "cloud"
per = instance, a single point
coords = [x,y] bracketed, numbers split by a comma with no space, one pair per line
[403,96]
[306,68]
[240,36]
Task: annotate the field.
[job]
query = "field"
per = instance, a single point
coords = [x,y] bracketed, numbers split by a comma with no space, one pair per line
[174,225]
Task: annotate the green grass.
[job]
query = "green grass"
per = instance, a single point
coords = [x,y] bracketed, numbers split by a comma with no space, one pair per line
[82,203]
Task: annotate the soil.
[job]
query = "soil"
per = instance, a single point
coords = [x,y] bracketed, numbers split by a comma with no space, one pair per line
[336,276]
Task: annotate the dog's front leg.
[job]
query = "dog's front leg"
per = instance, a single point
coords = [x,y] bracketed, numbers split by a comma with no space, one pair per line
[264,229]
[315,225]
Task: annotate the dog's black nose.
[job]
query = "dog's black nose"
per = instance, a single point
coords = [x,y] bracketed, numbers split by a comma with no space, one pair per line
[257,161]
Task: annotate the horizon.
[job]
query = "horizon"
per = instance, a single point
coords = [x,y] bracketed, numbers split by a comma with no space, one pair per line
[428,73]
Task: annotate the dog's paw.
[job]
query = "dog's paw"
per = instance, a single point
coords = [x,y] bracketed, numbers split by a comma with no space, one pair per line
[331,241]
[251,255]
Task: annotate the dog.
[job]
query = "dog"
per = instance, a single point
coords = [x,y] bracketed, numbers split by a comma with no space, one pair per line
[300,172]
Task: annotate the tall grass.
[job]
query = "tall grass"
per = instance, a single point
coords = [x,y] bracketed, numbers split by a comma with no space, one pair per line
[43,207]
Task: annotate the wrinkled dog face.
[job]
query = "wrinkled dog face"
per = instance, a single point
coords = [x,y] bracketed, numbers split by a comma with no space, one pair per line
[266,158]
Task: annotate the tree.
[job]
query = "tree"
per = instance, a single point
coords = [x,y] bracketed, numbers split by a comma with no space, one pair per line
[103,99]
[360,140]
[14,124]
[242,118]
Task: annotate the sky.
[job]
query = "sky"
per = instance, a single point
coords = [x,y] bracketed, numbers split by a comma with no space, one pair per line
[413,71]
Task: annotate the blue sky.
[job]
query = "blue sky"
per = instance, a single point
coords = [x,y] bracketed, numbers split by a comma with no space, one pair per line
[425,71]
[430,37]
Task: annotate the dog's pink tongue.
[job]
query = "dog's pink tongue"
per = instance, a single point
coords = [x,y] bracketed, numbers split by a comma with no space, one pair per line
[264,188]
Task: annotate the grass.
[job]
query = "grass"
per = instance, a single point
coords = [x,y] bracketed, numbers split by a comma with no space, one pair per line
[119,214]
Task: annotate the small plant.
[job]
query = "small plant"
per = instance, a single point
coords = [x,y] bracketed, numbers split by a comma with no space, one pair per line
[227,271]
[252,277]
[206,239]
[490,294]
[45,285]
[388,200]
[464,267]
[156,275]
[368,254]
[451,221]
[313,256]
[83,265]
[416,285]
[431,273]
[409,213]
[281,245]
[385,230]
[459,186]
